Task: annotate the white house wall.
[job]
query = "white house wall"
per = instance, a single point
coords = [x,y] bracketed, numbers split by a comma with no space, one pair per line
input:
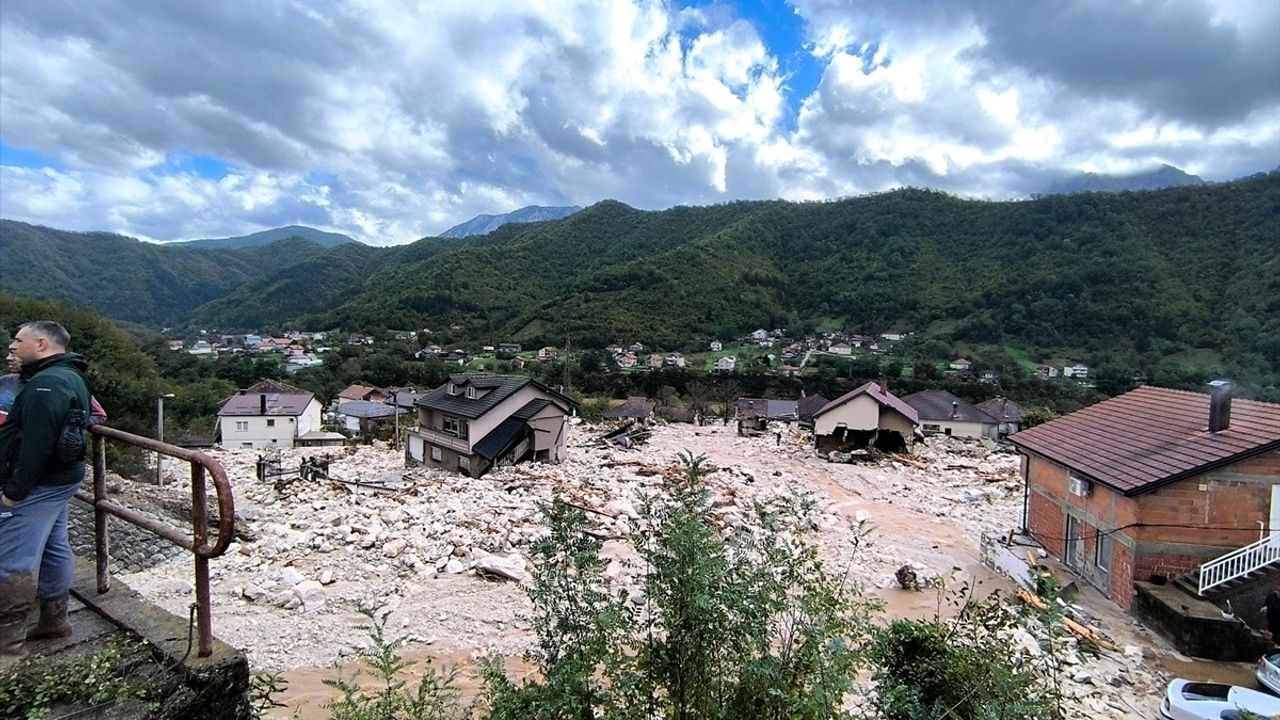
[283,432]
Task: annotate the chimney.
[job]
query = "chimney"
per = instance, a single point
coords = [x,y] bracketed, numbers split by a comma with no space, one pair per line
[884,386]
[262,403]
[1219,405]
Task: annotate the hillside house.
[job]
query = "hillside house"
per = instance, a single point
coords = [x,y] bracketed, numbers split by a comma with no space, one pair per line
[726,364]
[868,416]
[475,422]
[654,362]
[626,360]
[841,348]
[547,353]
[1047,372]
[1153,483]
[268,414]
[675,359]
[942,413]
[201,347]
[960,364]
[177,344]
[509,348]
[1075,371]
[716,346]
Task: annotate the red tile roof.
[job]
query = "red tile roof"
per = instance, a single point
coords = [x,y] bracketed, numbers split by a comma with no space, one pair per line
[1150,437]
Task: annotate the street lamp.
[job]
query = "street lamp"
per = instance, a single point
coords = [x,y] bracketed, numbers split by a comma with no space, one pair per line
[160,436]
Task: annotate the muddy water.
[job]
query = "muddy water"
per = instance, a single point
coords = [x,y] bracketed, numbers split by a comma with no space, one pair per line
[307,695]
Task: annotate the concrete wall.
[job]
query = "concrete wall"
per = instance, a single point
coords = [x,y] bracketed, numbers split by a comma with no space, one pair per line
[960,429]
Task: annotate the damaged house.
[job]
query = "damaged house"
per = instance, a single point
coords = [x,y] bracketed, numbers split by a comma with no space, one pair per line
[867,417]
[476,421]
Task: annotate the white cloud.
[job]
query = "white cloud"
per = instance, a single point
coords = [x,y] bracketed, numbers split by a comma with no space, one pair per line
[392,121]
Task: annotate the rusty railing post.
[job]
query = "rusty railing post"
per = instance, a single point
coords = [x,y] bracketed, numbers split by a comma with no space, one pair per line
[102,555]
[200,535]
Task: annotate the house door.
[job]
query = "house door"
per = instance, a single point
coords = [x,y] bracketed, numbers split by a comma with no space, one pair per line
[1274,527]
[1074,555]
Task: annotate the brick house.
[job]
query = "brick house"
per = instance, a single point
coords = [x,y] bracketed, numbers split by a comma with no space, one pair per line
[1152,483]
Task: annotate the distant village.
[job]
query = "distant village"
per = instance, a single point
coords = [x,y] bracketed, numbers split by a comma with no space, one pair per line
[767,350]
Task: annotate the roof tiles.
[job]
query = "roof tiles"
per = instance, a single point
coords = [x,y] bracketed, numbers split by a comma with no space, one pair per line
[1149,437]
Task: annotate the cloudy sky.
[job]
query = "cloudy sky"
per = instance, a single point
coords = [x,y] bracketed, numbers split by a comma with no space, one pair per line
[390,121]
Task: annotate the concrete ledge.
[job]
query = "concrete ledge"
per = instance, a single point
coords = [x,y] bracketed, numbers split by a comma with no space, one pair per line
[1194,626]
[212,687]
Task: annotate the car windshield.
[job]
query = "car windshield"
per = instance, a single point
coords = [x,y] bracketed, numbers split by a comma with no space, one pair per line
[1205,691]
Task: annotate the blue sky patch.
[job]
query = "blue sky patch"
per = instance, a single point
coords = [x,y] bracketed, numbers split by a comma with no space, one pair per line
[14,156]
[199,164]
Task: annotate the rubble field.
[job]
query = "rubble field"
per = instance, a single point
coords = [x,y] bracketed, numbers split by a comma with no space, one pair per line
[442,556]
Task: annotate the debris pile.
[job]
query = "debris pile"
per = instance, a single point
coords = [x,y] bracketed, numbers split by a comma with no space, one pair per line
[446,554]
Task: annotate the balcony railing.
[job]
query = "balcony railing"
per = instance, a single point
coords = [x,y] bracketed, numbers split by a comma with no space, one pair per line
[198,540]
[443,439]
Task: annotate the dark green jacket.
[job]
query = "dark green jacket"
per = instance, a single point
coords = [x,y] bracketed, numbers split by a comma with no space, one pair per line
[28,439]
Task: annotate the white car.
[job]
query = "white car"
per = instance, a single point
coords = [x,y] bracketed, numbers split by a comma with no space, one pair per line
[1187,700]
[1268,671]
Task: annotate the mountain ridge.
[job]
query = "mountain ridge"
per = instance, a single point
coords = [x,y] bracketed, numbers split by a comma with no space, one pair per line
[485,224]
[266,237]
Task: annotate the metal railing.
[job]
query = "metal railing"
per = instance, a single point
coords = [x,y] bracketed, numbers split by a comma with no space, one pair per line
[1239,562]
[198,540]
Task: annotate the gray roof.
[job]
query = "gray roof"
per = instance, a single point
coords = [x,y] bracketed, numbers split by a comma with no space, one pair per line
[500,387]
[749,408]
[366,409]
[634,407]
[500,438]
[942,405]
[1002,409]
[531,408]
[808,406]
[251,404]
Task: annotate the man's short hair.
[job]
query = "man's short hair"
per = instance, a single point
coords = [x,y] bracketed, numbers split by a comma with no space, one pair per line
[51,331]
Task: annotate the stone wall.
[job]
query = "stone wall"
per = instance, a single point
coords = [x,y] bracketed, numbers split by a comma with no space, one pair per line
[132,548]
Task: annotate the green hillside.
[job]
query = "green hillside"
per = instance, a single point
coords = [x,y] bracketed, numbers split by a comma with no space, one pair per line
[1128,273]
[127,279]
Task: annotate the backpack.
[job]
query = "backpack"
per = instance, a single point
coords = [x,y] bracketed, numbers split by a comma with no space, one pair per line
[71,444]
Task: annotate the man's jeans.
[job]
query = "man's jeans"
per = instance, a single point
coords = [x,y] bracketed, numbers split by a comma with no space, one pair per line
[33,537]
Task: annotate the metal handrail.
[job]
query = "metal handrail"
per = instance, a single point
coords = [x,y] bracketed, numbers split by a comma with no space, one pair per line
[197,543]
[1239,562]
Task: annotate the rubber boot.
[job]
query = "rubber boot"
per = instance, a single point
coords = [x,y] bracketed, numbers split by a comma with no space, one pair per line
[17,595]
[53,621]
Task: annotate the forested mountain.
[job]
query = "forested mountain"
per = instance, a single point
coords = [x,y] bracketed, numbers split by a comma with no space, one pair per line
[127,279]
[1195,266]
[1165,176]
[1191,273]
[266,237]
[484,224]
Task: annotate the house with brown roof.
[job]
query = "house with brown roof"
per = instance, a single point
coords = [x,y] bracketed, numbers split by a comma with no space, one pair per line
[362,392]
[867,416]
[941,413]
[476,421]
[1155,483]
[268,414]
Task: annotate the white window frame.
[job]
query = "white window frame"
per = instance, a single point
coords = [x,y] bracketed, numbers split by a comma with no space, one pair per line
[435,454]
[471,393]
[464,462]
[450,425]
[242,426]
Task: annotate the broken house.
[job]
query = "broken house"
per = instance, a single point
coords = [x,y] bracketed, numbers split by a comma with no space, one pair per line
[1006,412]
[268,414]
[755,414]
[1157,483]
[866,417]
[942,413]
[635,408]
[476,421]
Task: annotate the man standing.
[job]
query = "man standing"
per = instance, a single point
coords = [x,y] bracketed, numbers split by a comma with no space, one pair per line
[37,486]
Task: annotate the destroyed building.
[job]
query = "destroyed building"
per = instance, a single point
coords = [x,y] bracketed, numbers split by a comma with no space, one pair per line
[866,417]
